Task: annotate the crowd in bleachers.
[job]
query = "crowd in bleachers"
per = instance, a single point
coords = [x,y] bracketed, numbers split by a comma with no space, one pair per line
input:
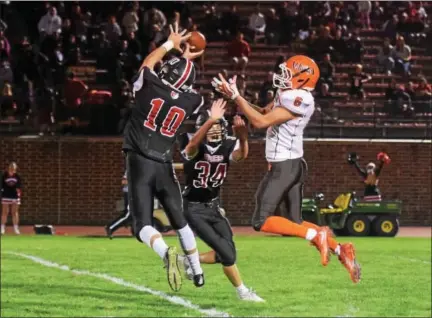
[69,64]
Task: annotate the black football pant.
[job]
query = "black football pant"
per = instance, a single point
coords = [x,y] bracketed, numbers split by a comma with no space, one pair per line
[124,219]
[283,183]
[213,228]
[147,179]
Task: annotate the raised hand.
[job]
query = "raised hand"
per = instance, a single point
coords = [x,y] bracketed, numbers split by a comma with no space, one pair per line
[187,54]
[239,128]
[177,38]
[228,89]
[217,109]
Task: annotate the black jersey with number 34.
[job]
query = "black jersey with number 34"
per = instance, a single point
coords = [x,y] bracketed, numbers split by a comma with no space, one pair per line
[206,172]
[157,116]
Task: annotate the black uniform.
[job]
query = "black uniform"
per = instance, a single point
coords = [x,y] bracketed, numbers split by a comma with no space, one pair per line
[10,188]
[205,174]
[149,136]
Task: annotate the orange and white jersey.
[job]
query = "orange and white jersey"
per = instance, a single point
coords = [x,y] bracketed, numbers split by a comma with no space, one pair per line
[285,141]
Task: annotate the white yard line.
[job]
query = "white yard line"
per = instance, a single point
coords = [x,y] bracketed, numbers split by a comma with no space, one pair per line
[119,281]
[415,260]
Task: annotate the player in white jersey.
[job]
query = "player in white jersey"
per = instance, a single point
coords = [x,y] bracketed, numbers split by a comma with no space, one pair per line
[285,118]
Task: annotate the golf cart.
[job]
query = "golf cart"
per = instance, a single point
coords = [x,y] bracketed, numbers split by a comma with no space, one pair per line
[352,216]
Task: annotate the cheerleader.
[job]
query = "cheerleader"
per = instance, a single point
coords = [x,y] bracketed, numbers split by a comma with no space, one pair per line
[11,197]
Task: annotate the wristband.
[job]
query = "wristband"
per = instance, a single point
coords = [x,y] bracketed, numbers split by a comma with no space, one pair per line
[168,45]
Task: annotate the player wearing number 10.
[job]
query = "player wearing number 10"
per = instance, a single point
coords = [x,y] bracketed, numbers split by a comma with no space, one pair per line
[162,102]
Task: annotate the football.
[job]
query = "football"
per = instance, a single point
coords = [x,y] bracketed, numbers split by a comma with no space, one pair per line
[197,40]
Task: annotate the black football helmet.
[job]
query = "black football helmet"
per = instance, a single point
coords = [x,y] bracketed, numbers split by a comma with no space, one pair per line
[217,133]
[179,73]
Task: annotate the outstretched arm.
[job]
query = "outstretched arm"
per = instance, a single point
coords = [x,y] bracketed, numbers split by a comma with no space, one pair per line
[241,132]
[174,41]
[360,170]
[217,112]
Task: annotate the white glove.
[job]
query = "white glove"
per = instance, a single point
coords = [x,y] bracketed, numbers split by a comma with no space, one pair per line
[228,89]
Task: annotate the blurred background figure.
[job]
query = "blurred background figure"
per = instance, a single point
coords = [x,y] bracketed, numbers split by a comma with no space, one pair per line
[11,197]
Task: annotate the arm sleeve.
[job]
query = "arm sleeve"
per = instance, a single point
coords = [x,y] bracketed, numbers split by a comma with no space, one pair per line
[183,141]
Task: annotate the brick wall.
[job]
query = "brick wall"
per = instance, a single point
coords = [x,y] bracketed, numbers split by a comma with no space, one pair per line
[77,180]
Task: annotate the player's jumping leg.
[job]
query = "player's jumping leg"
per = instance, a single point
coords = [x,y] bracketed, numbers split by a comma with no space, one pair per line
[215,231]
[345,252]
[169,194]
[141,183]
[283,177]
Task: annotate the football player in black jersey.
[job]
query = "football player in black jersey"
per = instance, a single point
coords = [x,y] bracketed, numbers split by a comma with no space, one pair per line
[206,158]
[162,102]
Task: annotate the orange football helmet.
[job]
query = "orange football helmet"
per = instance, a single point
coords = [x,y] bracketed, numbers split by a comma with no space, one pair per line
[298,72]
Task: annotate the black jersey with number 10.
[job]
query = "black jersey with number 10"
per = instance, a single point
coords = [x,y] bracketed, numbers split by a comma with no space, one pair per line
[206,172]
[159,112]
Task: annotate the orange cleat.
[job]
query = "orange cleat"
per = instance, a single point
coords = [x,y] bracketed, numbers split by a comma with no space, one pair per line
[348,259]
[320,241]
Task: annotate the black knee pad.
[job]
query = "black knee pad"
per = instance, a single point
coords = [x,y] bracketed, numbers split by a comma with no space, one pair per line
[230,257]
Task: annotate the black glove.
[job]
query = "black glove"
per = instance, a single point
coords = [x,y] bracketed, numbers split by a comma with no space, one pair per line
[352,158]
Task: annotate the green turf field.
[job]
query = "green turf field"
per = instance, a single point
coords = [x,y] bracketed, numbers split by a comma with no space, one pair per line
[284,271]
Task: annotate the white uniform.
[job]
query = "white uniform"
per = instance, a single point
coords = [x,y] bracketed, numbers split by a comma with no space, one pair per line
[285,141]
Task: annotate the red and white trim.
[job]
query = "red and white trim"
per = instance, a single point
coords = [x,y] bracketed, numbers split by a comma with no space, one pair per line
[183,78]
[11,201]
[372,198]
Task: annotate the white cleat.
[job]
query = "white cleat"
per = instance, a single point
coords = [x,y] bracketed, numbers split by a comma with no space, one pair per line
[3,230]
[17,231]
[250,295]
[187,269]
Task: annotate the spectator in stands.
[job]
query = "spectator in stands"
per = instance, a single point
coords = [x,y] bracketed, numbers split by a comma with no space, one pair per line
[377,14]
[154,17]
[303,24]
[409,89]
[80,24]
[324,92]
[272,27]
[213,26]
[354,47]
[126,61]
[403,26]
[130,19]
[103,50]
[242,86]
[402,56]
[72,51]
[423,88]
[6,74]
[134,46]
[112,30]
[230,22]
[327,71]
[266,86]
[357,79]
[339,47]
[4,55]
[6,44]
[390,27]
[390,93]
[384,56]
[257,25]
[365,8]
[74,91]
[50,23]
[322,44]
[6,100]
[239,51]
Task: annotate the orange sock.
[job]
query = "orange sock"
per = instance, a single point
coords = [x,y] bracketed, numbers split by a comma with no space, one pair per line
[283,226]
[333,244]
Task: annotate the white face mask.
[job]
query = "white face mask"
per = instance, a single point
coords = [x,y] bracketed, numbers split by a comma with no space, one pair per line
[370,168]
[282,80]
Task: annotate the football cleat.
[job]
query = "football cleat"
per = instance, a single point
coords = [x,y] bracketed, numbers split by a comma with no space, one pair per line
[198,280]
[321,243]
[173,271]
[348,259]
[108,232]
[250,295]
[185,267]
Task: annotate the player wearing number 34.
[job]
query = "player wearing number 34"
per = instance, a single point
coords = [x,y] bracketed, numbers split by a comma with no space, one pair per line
[285,118]
[162,102]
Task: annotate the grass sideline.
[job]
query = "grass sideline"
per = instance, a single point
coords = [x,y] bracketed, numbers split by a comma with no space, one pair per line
[284,271]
